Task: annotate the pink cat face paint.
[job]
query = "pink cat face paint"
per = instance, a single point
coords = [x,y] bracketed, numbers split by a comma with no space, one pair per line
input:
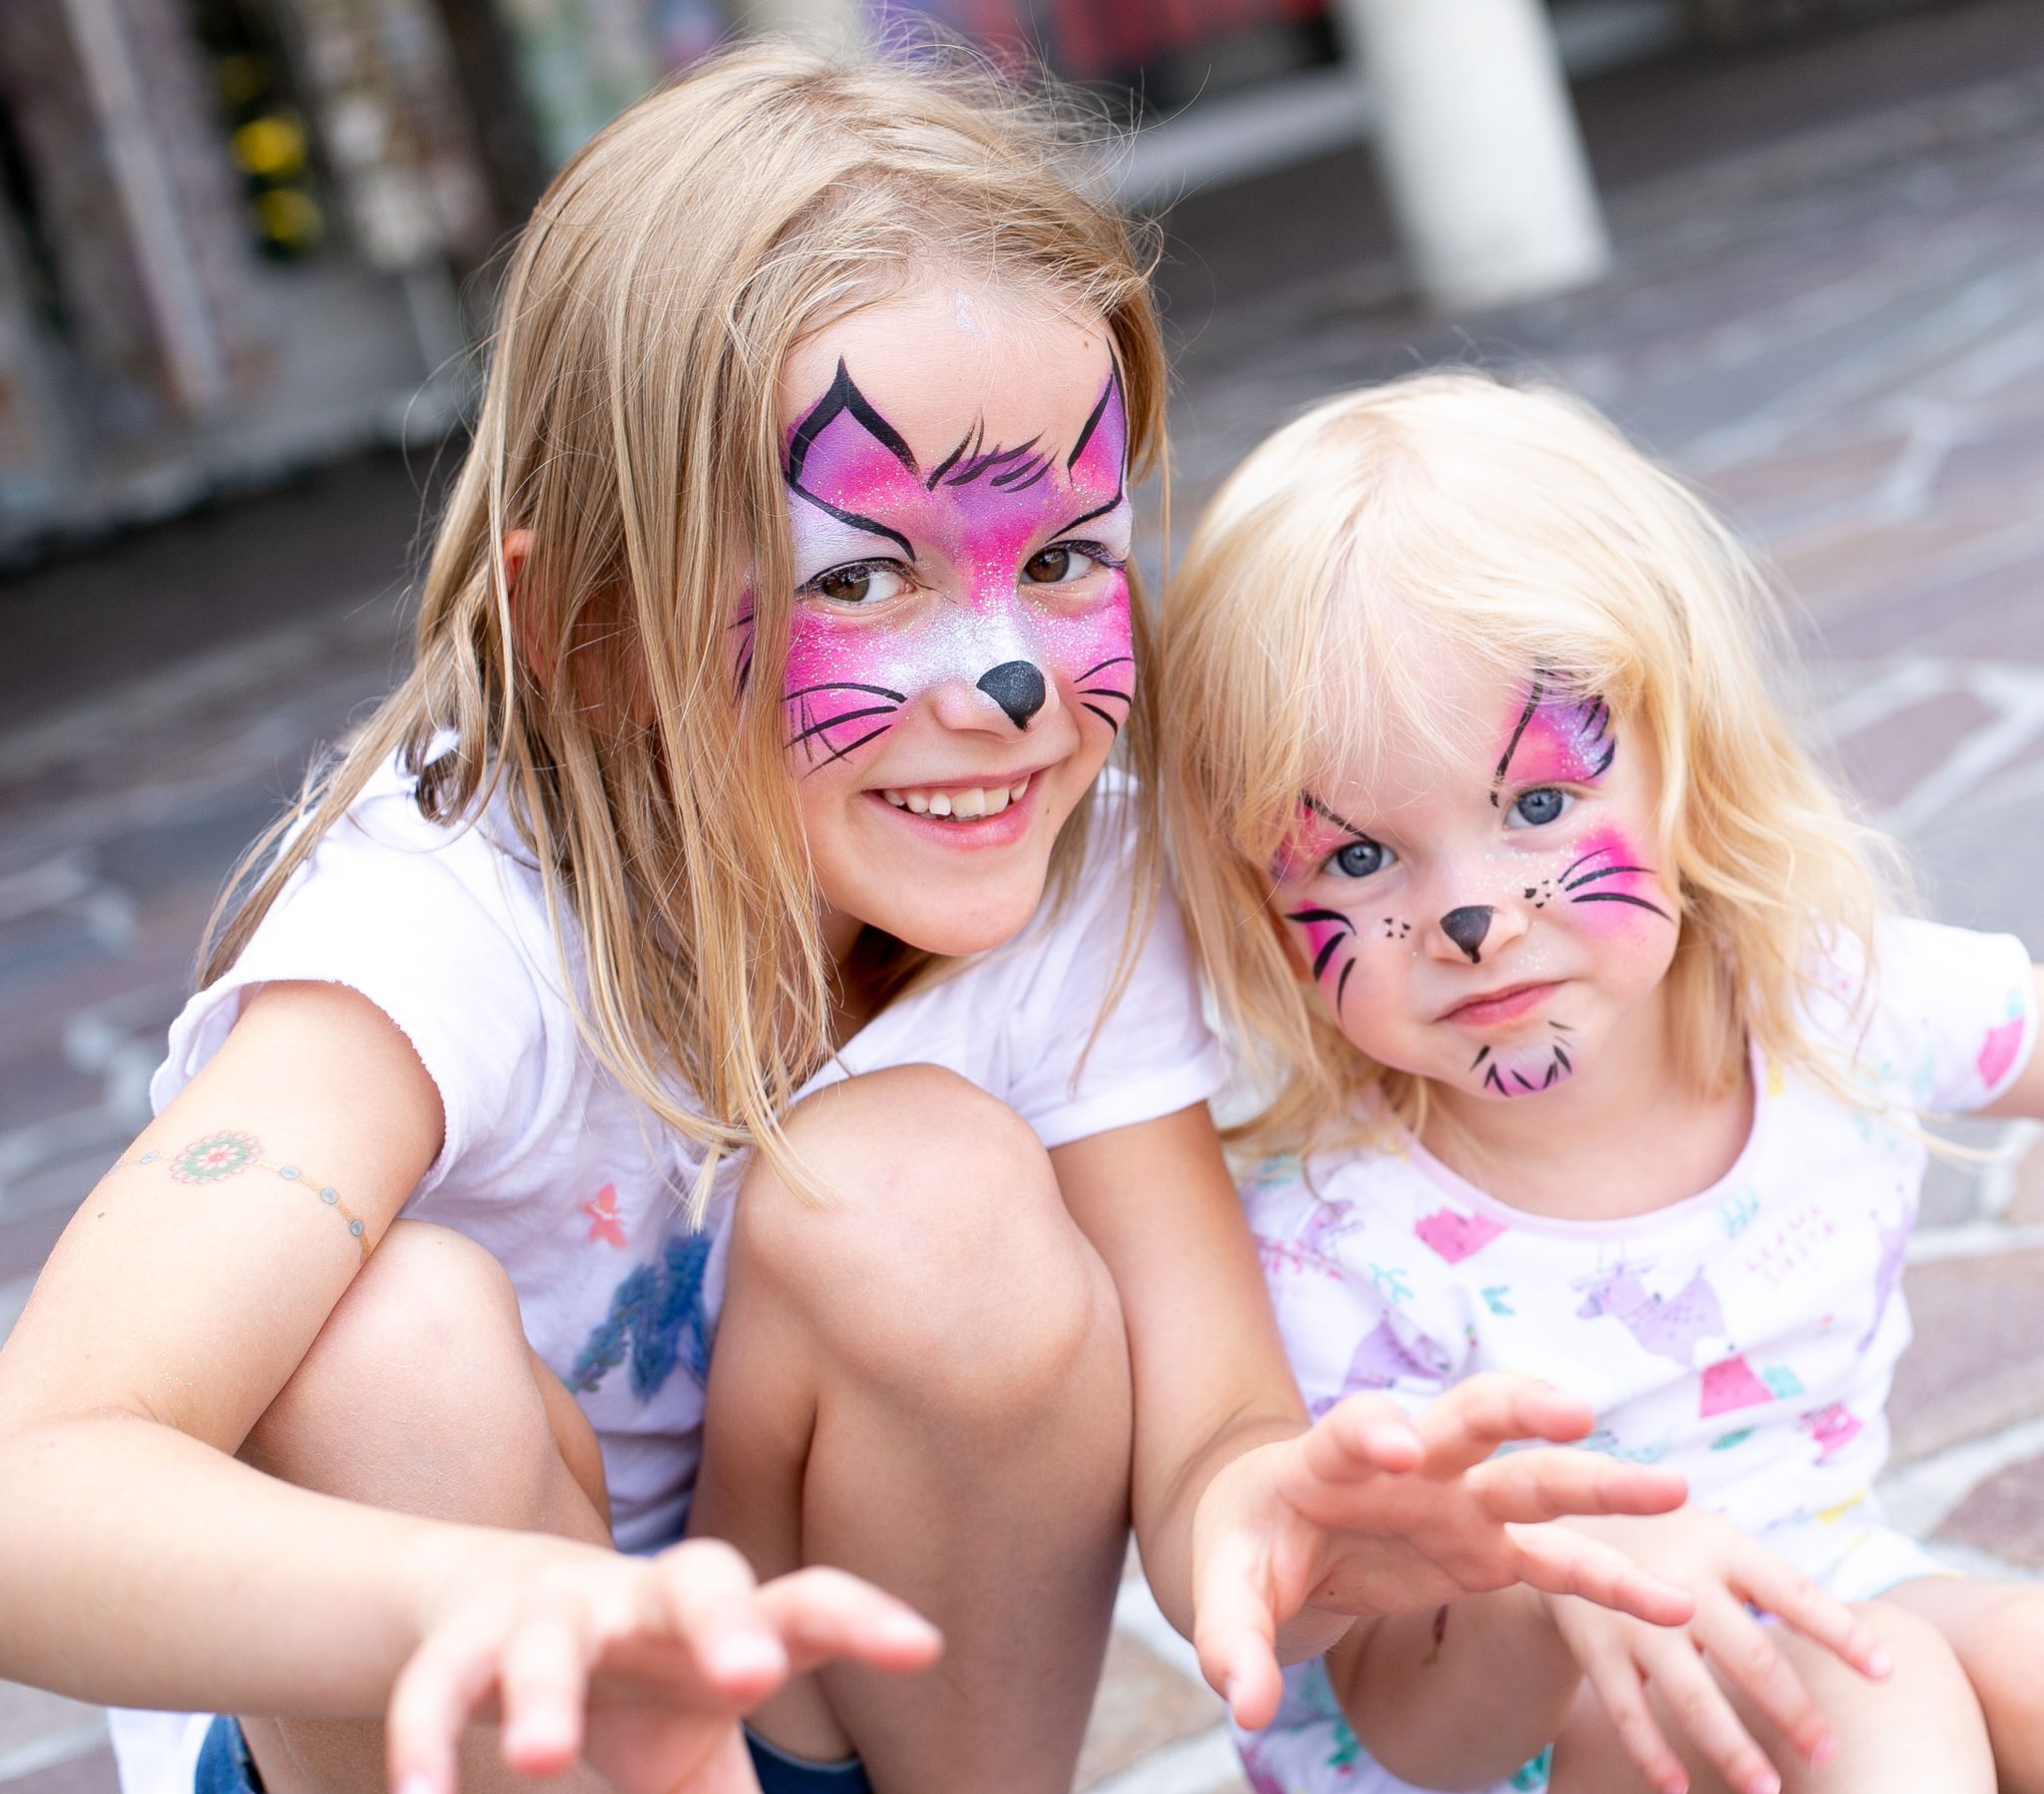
[1484,913]
[1033,536]
[958,658]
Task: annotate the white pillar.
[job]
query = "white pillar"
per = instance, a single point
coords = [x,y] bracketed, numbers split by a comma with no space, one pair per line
[1479,148]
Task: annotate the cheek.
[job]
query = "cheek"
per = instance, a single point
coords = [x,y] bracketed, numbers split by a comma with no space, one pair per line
[1090,647]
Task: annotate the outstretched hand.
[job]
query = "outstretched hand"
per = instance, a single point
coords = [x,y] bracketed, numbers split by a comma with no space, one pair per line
[642,1667]
[1369,1513]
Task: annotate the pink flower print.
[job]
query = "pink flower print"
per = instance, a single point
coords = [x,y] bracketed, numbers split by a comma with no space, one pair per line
[604,1223]
[1894,1249]
[1457,1236]
[1833,1427]
[1730,1384]
[1998,1051]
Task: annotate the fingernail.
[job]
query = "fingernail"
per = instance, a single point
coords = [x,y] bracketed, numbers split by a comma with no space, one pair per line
[1878,1663]
[417,1783]
[1827,1749]
[909,1629]
[1228,1686]
[746,1654]
[1765,1784]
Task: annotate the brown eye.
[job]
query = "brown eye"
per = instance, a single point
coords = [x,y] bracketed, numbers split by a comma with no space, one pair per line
[862,582]
[1058,566]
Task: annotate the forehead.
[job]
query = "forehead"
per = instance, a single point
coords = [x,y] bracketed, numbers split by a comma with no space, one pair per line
[944,359]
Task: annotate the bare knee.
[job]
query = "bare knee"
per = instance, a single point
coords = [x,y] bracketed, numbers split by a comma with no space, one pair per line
[941,1261]
[420,1393]
[2002,1648]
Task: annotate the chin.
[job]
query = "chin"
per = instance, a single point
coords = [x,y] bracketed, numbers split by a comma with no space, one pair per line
[987,920]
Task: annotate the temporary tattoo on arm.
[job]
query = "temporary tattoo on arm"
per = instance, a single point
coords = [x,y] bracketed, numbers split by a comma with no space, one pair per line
[215,1157]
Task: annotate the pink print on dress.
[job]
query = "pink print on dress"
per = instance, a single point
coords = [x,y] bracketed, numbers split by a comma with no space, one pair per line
[1457,1236]
[1670,1327]
[1731,1383]
[858,498]
[1382,1360]
[1887,1271]
[1833,1426]
[604,1221]
[1998,1051]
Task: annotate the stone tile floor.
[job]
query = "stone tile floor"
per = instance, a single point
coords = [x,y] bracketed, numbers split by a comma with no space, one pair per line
[1824,309]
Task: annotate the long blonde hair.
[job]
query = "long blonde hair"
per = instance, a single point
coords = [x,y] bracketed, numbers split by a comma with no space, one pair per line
[1520,530]
[629,423]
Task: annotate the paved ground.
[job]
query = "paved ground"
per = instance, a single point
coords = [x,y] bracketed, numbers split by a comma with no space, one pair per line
[1826,308]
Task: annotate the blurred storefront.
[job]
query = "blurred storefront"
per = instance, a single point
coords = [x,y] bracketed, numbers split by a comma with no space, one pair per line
[232,232]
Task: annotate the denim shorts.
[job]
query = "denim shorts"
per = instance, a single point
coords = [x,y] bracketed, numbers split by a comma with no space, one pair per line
[225,1768]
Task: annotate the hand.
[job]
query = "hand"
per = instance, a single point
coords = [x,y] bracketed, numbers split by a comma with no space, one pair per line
[643,1666]
[1724,1570]
[1370,1514]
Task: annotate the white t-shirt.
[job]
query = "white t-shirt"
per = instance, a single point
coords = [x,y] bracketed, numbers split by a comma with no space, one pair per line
[1746,1335]
[570,1182]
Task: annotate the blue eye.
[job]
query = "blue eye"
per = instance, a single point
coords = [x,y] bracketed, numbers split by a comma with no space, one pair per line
[1360,859]
[1534,808]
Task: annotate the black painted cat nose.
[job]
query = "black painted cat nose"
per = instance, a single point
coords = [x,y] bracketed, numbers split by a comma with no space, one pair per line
[1017,686]
[1467,926]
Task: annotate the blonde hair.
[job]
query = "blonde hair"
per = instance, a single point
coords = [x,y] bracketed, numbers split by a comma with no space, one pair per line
[1521,530]
[629,422]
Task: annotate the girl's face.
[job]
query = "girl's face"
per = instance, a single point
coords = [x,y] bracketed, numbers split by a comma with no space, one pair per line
[959,661]
[1487,913]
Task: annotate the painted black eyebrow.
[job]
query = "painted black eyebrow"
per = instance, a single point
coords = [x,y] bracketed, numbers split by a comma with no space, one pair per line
[1504,765]
[866,524]
[1339,821]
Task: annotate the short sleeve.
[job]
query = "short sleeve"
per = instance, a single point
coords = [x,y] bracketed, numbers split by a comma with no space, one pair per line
[402,921]
[1152,1054]
[1954,1015]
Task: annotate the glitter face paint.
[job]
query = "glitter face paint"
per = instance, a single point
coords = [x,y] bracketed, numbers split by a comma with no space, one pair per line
[984,514]
[1482,931]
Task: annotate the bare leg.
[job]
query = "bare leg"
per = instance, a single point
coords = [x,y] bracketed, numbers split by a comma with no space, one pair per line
[1997,1630]
[421,1395]
[925,1380]
[1919,1729]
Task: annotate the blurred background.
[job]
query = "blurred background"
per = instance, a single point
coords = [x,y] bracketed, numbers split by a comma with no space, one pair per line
[1795,246]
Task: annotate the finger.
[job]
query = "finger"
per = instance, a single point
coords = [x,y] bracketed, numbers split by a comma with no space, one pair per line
[712,1604]
[1364,1436]
[434,1699]
[1481,1413]
[1697,1703]
[1749,1660]
[1560,1561]
[1548,1485]
[1615,1681]
[821,1614]
[541,1685]
[1235,1631]
[1777,1588]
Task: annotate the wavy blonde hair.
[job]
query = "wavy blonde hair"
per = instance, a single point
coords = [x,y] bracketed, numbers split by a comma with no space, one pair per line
[629,423]
[1517,529]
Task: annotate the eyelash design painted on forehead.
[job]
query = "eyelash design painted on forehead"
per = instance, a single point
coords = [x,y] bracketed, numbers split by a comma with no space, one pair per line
[1592,731]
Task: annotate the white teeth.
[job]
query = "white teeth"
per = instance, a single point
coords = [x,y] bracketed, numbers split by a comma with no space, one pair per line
[969,806]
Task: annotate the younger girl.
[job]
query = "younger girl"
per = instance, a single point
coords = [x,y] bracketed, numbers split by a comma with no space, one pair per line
[741,798]
[1590,1057]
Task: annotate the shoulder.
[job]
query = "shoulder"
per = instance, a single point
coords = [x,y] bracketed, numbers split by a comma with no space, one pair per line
[1940,1018]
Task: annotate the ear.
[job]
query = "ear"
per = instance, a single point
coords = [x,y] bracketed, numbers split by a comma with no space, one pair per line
[517,555]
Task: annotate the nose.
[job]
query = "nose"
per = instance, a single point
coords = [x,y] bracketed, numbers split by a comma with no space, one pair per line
[1017,686]
[1467,926]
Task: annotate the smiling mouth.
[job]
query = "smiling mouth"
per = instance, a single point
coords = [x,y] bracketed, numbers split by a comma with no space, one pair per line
[958,803]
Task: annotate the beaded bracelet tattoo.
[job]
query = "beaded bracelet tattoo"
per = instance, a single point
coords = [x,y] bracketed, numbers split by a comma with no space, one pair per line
[220,1156]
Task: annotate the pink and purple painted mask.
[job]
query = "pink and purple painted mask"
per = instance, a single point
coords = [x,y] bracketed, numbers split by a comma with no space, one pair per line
[968,529]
